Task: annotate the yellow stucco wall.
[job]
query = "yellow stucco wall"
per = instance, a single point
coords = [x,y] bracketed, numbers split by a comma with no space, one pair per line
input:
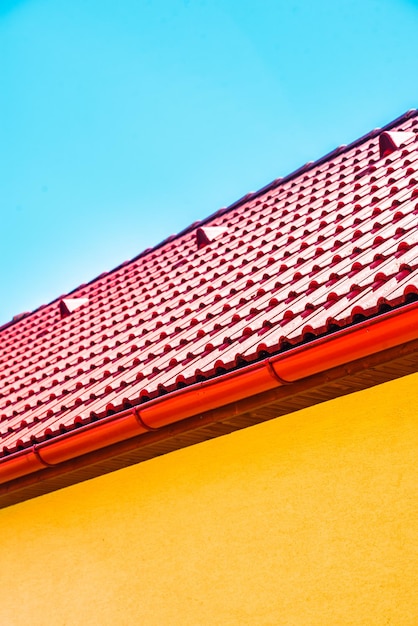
[311,519]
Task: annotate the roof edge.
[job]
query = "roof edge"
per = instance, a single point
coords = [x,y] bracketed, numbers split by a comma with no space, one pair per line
[391,329]
[300,170]
[249,196]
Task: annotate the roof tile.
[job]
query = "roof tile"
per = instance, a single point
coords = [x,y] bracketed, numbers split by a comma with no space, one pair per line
[334,242]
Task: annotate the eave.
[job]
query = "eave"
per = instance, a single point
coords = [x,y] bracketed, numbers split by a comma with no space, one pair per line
[368,353]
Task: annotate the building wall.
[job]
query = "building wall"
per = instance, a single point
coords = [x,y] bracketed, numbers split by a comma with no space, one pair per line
[309,519]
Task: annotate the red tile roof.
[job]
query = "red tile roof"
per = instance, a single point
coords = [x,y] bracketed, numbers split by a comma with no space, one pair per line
[325,248]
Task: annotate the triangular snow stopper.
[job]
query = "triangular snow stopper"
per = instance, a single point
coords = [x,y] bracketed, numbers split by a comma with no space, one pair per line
[68,305]
[207,234]
[391,141]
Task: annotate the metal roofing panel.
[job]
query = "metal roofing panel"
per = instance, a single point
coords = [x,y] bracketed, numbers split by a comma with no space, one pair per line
[329,245]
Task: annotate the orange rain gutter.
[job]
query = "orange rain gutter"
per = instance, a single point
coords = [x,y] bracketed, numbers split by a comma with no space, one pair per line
[356,342]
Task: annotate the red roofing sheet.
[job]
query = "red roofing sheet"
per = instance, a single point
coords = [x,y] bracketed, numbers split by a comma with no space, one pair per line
[330,245]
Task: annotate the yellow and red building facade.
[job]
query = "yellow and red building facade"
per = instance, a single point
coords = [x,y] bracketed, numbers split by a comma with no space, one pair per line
[223,430]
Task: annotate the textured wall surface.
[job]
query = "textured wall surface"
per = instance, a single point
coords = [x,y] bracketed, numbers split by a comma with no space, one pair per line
[310,519]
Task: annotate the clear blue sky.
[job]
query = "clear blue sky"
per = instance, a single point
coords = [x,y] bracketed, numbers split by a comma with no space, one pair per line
[123,122]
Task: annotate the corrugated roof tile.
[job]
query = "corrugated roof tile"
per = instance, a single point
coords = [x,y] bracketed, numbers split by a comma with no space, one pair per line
[333,243]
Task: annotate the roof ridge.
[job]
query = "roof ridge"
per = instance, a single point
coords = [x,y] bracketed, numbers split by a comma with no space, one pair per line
[305,168]
[237,203]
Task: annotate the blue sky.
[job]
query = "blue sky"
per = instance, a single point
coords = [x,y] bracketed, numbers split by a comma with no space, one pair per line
[123,122]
